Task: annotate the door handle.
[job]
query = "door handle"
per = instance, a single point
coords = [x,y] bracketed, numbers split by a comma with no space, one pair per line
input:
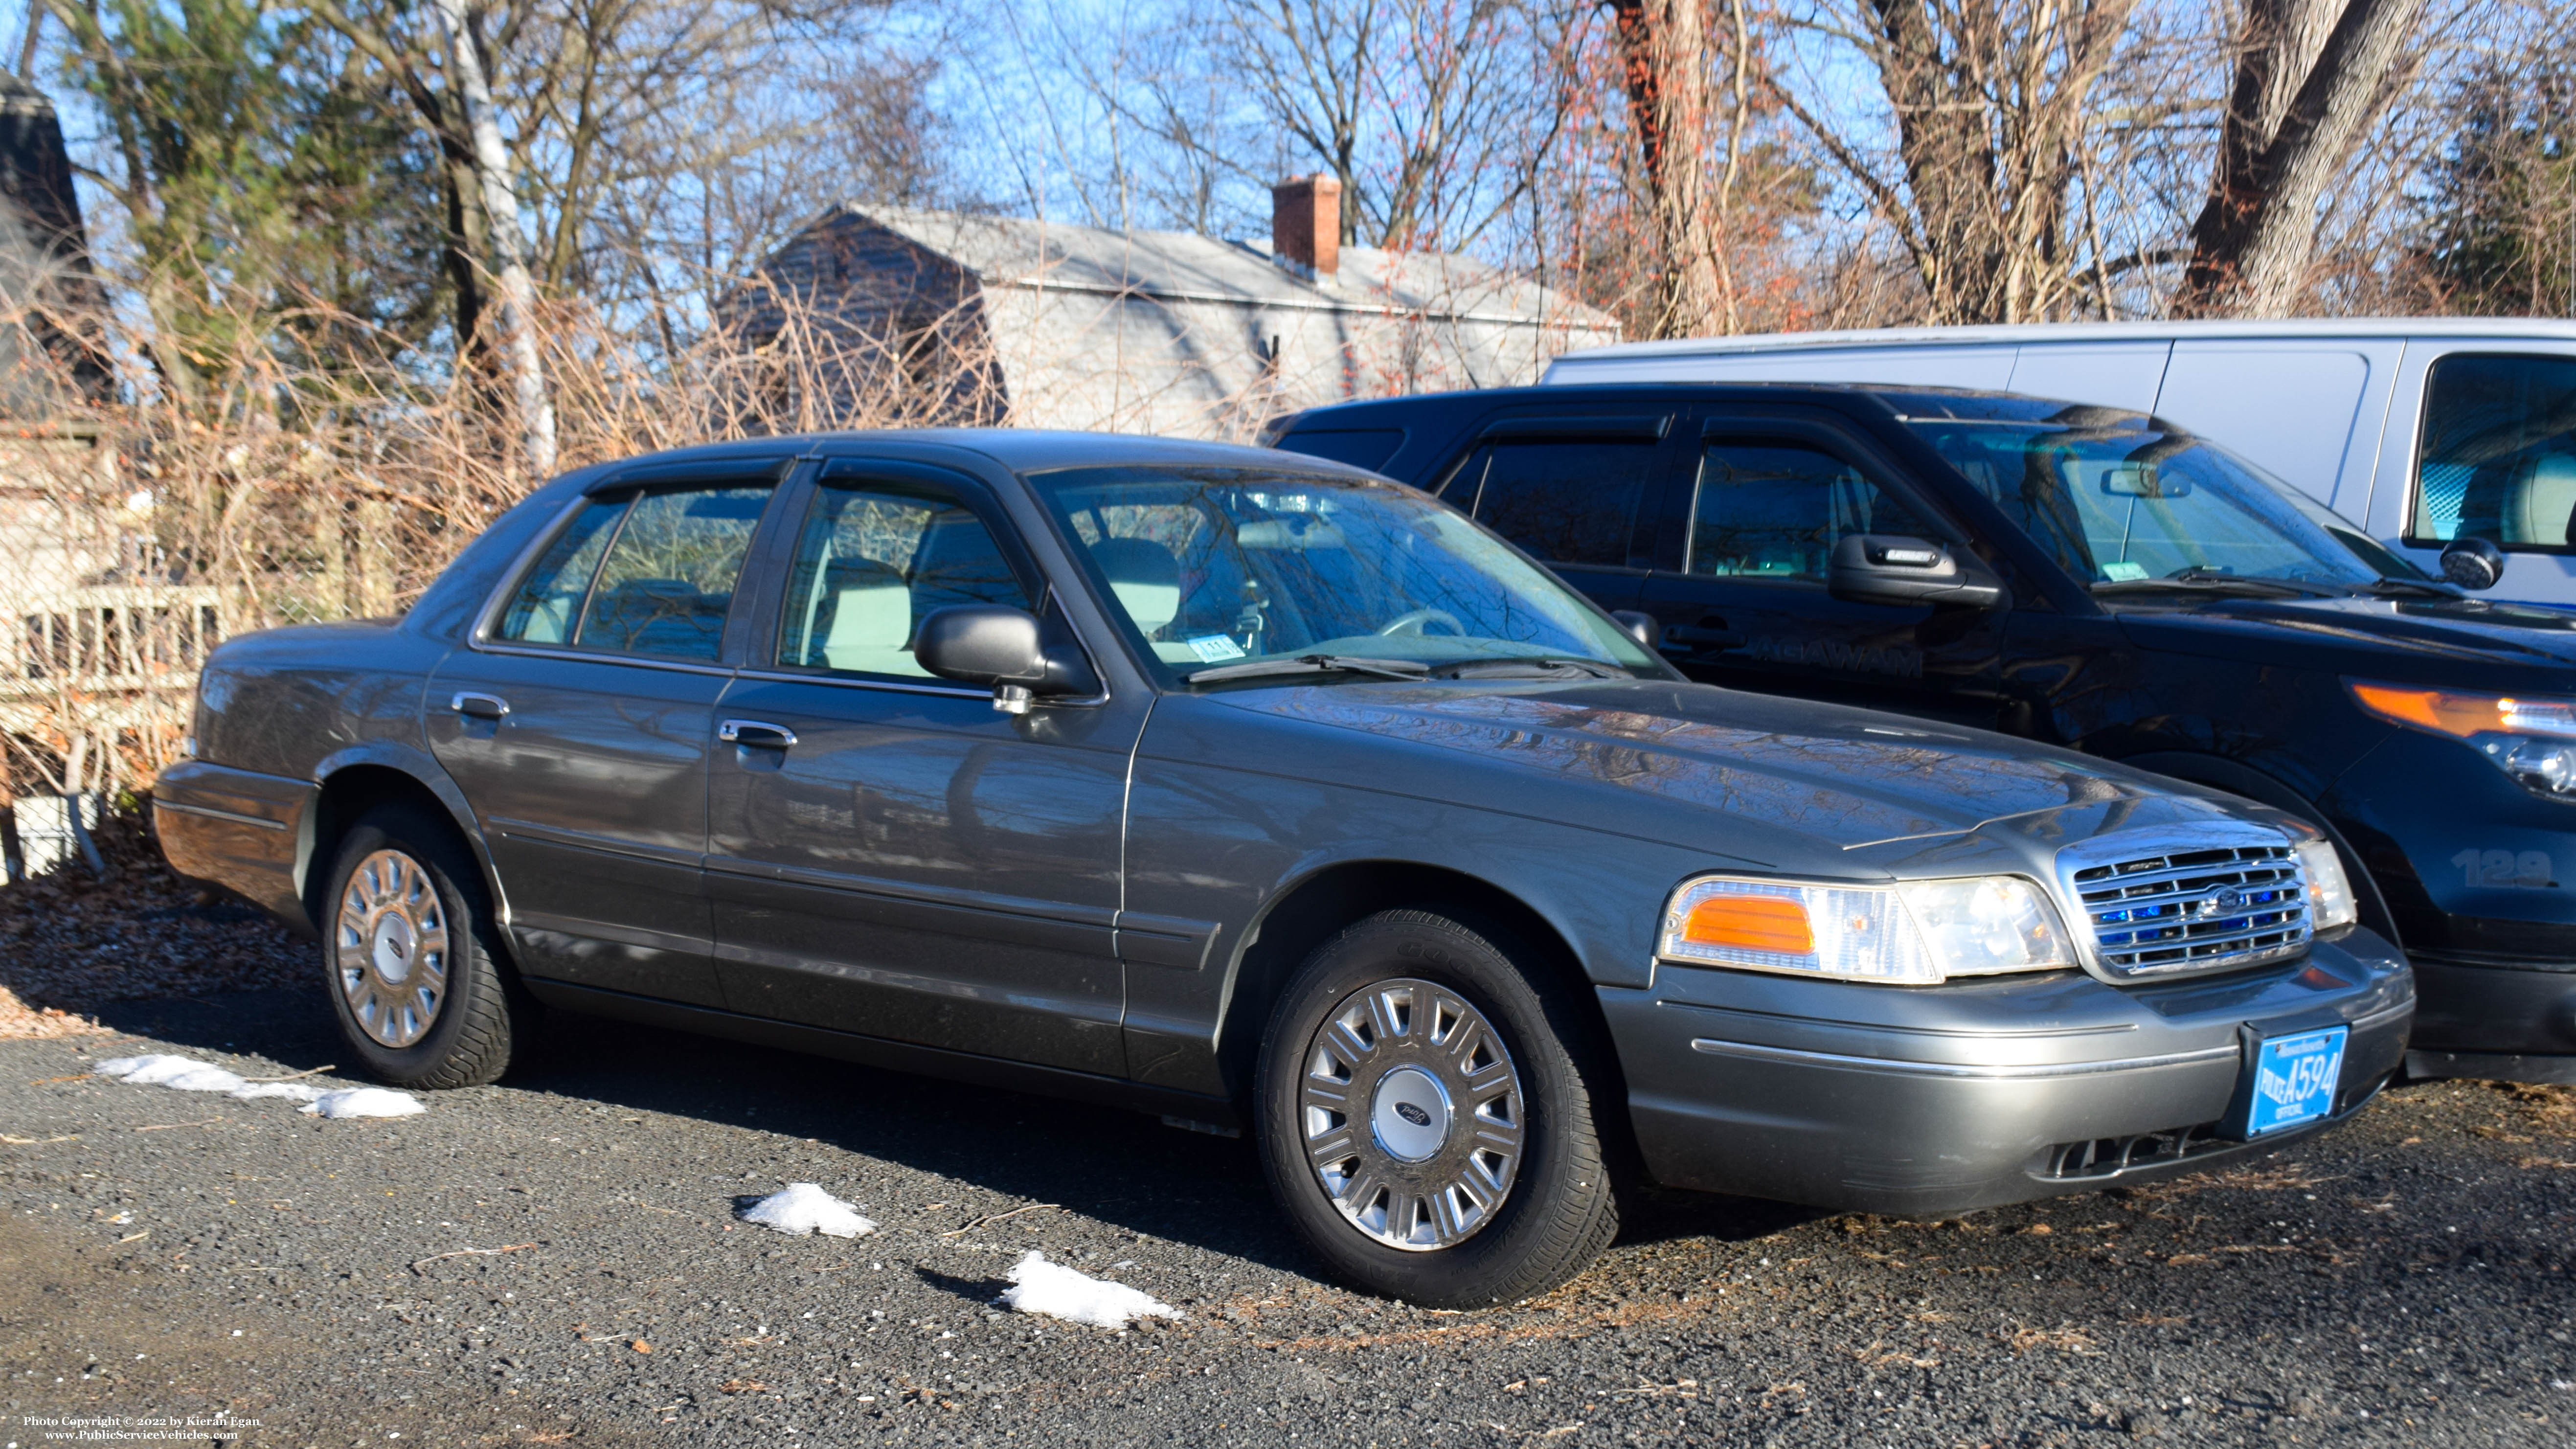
[479,706]
[1695,638]
[756,735]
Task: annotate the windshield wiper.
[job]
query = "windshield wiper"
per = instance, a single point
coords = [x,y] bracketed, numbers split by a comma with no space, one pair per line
[2390,586]
[2213,581]
[1548,666]
[1313,664]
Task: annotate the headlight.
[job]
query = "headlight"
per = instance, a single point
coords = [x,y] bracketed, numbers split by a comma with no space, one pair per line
[2533,740]
[1916,934]
[2330,900]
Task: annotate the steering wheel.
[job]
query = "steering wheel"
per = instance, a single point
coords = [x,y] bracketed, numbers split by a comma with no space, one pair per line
[1413,623]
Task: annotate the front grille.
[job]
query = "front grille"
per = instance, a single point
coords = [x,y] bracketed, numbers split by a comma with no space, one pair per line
[2109,1156]
[2195,910]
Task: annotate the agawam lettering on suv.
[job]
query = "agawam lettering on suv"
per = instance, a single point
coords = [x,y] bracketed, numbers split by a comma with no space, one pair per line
[1266,795]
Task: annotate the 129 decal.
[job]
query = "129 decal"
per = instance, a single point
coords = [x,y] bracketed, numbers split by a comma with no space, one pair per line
[2529,869]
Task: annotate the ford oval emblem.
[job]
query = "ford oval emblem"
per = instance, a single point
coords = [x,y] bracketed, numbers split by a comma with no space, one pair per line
[1413,1114]
[2223,902]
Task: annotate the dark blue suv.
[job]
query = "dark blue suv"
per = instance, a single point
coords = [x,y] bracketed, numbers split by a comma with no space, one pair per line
[2085,576]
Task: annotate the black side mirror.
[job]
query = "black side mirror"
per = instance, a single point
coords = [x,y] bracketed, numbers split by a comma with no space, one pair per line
[1886,568]
[2473,563]
[1006,648]
[1639,624]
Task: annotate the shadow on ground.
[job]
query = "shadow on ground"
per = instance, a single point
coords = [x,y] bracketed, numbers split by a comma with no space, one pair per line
[1114,1166]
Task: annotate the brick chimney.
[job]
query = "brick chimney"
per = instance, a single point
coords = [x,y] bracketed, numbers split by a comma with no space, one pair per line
[1306,224]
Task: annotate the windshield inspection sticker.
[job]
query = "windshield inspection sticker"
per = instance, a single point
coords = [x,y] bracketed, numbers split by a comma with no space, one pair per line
[2123,572]
[1215,649]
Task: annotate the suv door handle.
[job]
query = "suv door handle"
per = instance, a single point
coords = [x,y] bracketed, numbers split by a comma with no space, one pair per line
[755,735]
[1696,638]
[479,706]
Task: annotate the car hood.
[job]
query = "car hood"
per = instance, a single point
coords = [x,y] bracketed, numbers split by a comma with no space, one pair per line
[1868,786]
[2429,641]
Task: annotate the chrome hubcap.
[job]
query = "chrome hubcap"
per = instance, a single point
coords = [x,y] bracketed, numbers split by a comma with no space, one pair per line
[1412,1113]
[389,946]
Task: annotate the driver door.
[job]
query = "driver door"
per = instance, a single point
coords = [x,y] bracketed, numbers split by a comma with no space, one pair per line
[888,853]
[1741,598]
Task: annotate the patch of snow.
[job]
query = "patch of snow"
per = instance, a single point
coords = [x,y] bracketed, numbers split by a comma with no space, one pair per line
[205,1079]
[1051,1289]
[806,1208]
[292,1091]
[364,1102]
[148,1071]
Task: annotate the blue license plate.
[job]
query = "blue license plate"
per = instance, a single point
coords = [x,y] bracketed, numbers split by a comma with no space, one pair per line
[2295,1078]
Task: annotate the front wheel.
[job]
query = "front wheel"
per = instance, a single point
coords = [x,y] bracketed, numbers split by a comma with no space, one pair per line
[412,955]
[1426,1115]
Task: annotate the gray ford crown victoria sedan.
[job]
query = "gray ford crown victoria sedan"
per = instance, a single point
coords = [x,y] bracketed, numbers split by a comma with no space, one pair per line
[1261,792]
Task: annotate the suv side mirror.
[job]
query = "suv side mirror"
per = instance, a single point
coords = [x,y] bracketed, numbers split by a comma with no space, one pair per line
[1003,647]
[2473,563]
[1886,568]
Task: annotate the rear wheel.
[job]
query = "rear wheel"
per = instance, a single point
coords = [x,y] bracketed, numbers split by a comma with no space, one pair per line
[412,954]
[1426,1114]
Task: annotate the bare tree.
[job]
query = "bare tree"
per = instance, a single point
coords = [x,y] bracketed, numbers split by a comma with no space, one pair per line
[495,178]
[2311,78]
[1994,115]
[1663,46]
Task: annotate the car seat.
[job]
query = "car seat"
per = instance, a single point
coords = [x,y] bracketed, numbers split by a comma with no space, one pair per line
[665,617]
[863,620]
[1146,579]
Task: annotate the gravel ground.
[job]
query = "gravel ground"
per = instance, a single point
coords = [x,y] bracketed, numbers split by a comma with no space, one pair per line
[71,943]
[556,1261]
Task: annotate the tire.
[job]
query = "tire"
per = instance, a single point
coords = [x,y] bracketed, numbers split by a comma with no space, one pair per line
[1433,1036]
[412,956]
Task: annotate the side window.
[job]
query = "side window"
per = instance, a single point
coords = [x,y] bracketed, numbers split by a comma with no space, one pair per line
[1775,509]
[871,561]
[547,603]
[1565,502]
[668,579]
[2498,457]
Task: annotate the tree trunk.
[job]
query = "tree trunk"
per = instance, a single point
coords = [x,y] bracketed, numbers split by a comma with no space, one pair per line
[1663,45]
[2311,78]
[518,293]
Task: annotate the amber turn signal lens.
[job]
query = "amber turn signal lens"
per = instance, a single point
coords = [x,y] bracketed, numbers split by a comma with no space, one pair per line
[1751,923]
[2439,710]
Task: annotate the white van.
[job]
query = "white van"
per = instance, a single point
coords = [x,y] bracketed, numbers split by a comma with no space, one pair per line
[2431,432]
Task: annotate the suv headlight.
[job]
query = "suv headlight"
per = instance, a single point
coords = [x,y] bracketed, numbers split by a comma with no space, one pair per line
[2531,739]
[1919,933]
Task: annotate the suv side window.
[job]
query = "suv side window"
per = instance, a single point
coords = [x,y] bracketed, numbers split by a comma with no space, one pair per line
[1565,501]
[873,558]
[1775,508]
[2498,456]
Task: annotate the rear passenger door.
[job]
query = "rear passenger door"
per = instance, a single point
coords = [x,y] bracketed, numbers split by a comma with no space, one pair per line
[1573,490]
[1739,593]
[576,722]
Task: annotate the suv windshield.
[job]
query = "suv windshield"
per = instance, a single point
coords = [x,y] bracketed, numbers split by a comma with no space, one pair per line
[1218,566]
[2119,499]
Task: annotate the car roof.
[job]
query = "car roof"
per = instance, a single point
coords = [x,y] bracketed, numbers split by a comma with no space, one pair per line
[1899,401]
[1022,450]
[2543,329]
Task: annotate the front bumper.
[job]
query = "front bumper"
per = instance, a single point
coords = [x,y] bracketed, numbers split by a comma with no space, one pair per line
[1927,1101]
[2509,1020]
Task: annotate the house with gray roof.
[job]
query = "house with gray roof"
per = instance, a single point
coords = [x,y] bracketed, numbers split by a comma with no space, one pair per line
[933,316]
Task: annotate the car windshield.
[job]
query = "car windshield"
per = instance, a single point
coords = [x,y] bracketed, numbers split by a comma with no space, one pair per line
[2121,500]
[1222,566]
